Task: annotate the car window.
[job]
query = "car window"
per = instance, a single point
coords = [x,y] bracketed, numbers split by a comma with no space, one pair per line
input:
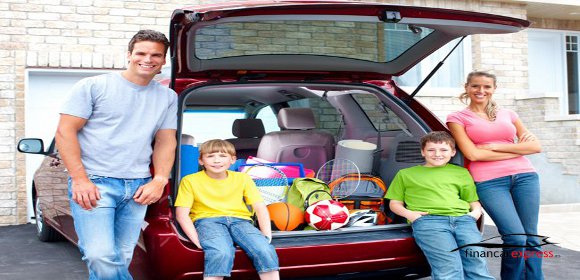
[370,41]
[195,123]
[269,119]
[327,117]
[382,118]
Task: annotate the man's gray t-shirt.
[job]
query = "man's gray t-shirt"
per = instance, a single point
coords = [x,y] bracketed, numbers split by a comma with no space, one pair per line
[122,120]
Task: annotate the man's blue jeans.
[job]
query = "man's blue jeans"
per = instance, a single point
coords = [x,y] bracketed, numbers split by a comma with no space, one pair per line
[218,236]
[437,236]
[108,233]
[513,203]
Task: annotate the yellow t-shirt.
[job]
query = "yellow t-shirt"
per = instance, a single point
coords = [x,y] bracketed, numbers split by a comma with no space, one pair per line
[209,197]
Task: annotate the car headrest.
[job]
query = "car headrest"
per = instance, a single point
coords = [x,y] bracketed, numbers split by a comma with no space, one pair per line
[248,128]
[296,118]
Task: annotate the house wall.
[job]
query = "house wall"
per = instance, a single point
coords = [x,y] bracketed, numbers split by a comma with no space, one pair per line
[58,34]
[92,34]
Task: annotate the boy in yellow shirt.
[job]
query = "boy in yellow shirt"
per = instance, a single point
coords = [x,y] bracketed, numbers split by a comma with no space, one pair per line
[215,200]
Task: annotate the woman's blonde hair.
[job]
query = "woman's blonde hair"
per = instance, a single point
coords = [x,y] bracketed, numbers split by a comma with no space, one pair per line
[216,146]
[491,107]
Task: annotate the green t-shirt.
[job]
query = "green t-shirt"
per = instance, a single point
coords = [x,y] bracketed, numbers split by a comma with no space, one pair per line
[444,191]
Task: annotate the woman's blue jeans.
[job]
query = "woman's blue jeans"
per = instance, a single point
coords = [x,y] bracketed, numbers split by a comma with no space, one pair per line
[108,233]
[513,203]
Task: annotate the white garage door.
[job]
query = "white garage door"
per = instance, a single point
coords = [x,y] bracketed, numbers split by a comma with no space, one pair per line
[45,91]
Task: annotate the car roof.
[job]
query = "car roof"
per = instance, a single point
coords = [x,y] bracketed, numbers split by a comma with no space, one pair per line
[194,56]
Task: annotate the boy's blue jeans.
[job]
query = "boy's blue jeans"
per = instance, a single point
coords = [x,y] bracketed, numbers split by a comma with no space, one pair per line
[513,203]
[217,237]
[108,233]
[437,236]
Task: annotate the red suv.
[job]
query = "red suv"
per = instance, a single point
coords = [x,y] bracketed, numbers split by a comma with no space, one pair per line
[235,66]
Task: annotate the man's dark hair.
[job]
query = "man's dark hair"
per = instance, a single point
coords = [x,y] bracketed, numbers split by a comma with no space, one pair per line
[437,137]
[149,35]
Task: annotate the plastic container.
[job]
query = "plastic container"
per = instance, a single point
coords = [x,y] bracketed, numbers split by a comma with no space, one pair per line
[358,151]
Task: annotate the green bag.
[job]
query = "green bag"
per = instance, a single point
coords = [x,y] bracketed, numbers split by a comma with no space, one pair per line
[306,191]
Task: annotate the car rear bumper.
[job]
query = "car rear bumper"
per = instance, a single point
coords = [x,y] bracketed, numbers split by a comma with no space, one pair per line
[384,250]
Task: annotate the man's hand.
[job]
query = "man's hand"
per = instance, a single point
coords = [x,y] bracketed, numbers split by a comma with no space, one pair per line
[85,194]
[150,192]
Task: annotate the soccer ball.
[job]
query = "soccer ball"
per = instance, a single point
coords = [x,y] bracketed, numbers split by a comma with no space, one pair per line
[326,215]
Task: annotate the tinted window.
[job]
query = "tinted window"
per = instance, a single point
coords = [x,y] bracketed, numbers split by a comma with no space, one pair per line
[327,117]
[195,123]
[371,41]
[382,118]
[268,119]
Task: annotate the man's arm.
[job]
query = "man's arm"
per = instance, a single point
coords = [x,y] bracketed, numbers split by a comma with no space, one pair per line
[84,192]
[398,207]
[263,219]
[163,157]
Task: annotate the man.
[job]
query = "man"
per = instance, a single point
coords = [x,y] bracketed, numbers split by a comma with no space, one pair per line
[104,136]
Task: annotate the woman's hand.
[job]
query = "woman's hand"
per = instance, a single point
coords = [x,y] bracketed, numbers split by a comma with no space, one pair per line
[489,147]
[527,137]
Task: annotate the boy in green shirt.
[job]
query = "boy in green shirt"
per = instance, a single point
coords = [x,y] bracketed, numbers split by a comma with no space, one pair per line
[440,201]
[215,200]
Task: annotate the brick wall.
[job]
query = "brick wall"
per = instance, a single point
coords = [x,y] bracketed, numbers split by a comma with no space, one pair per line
[64,34]
[560,135]
[59,34]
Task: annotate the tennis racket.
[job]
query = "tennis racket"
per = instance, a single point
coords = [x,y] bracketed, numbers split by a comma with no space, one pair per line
[270,181]
[341,175]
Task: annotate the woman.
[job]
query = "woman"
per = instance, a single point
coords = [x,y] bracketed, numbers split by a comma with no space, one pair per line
[507,184]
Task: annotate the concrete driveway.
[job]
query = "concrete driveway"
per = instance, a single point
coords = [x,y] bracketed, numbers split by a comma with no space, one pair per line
[22,256]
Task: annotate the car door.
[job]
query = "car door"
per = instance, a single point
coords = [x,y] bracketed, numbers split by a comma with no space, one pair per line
[50,187]
[56,186]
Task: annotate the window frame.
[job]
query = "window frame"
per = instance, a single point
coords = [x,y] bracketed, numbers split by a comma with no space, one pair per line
[562,92]
[428,64]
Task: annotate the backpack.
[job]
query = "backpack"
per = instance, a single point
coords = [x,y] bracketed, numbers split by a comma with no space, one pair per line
[368,195]
[306,191]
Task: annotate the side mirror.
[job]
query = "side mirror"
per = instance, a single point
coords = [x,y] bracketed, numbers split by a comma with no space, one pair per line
[31,146]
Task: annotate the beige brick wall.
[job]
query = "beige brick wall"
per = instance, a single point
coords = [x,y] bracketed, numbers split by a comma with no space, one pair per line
[58,34]
[64,34]
[558,24]
[560,136]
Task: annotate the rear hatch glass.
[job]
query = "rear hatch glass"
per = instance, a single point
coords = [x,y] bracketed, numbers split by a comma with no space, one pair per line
[369,40]
[375,42]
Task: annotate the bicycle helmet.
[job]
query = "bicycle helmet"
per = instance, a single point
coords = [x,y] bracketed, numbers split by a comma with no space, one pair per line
[362,218]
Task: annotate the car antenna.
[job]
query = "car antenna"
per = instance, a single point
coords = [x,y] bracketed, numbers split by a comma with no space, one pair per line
[408,99]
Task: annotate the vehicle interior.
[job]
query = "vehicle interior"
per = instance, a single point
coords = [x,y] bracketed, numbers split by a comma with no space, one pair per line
[301,123]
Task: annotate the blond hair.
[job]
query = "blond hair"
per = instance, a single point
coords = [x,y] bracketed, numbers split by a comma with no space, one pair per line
[491,107]
[217,146]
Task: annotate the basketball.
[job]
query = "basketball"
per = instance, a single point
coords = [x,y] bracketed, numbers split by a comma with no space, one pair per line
[285,216]
[326,215]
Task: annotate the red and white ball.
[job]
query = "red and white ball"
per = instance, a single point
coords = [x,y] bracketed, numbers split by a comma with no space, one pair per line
[326,215]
